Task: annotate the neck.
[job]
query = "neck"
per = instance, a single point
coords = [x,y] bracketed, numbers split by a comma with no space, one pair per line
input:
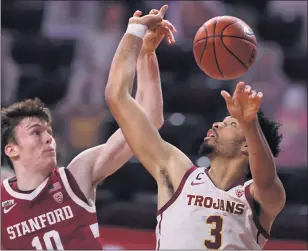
[30,180]
[226,173]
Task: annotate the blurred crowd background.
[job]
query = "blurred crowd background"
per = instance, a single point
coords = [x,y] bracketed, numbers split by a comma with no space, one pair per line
[61,51]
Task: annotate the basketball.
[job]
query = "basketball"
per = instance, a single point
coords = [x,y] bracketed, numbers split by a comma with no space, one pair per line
[225,47]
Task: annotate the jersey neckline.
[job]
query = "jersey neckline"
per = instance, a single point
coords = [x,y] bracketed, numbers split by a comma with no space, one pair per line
[24,196]
[239,182]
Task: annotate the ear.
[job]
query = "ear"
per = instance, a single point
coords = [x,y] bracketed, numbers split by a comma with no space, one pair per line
[11,150]
[244,149]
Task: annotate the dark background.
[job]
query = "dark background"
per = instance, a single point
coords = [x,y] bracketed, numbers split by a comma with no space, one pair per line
[61,52]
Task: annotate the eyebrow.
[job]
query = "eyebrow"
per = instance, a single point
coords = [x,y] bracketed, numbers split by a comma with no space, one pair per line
[34,125]
[39,125]
[230,119]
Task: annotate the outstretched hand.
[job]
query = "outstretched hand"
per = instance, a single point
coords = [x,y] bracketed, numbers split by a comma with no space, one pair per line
[244,104]
[151,20]
[155,35]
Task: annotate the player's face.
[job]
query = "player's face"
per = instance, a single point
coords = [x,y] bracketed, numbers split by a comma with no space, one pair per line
[36,147]
[225,138]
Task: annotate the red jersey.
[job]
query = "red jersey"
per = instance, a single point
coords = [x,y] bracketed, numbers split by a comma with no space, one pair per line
[56,215]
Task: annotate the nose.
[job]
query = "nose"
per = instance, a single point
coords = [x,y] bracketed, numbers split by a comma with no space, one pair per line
[48,138]
[216,125]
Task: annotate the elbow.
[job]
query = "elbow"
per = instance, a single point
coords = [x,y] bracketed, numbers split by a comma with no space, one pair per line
[159,122]
[112,94]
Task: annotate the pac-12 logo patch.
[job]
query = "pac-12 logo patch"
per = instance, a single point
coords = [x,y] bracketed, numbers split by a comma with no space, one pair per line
[58,197]
[239,192]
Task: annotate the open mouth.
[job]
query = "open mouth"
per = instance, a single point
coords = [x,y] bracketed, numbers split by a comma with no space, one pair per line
[211,134]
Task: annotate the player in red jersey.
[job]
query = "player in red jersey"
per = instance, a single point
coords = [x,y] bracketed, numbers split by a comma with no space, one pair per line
[46,207]
[202,208]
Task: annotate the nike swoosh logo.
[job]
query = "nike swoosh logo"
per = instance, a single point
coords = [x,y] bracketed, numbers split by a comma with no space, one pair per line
[6,210]
[198,183]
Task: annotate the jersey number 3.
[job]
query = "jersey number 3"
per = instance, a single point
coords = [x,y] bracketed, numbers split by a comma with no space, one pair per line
[48,238]
[215,232]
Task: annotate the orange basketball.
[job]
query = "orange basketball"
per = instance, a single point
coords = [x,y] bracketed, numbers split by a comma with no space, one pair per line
[225,47]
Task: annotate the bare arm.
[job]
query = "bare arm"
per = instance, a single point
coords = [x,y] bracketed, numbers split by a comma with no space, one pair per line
[105,159]
[149,84]
[142,136]
[266,188]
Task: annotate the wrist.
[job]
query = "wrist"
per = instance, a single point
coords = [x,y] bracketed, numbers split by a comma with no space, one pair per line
[251,125]
[144,56]
[147,52]
[138,30]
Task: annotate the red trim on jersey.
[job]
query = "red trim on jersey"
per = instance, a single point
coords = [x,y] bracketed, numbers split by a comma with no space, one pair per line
[178,191]
[75,187]
[255,216]
[159,229]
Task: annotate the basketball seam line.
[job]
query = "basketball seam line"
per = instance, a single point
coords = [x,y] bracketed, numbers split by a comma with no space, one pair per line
[238,59]
[223,43]
[204,45]
[217,64]
[230,36]
[220,34]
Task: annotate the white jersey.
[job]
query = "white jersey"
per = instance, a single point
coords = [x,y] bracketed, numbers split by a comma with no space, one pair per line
[201,216]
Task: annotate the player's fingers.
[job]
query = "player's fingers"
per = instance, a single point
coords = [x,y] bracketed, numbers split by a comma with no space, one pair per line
[137,13]
[169,25]
[227,97]
[154,11]
[162,11]
[239,88]
[167,33]
[253,94]
[260,95]
[247,89]
[169,36]
[257,100]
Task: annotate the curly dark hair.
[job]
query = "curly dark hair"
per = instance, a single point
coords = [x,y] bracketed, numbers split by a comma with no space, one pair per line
[271,133]
[14,114]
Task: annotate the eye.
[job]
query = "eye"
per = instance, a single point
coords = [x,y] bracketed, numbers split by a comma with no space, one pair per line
[36,132]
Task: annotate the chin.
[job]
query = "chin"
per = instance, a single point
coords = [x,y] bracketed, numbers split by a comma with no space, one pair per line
[206,149]
[50,163]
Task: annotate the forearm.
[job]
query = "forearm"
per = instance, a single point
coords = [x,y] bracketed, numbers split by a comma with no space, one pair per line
[120,82]
[261,160]
[149,93]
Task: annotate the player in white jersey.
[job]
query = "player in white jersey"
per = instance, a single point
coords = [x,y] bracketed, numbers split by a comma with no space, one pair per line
[214,208]
[214,218]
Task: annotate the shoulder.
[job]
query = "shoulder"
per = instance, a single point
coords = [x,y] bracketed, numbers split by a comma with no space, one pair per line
[194,173]
[70,182]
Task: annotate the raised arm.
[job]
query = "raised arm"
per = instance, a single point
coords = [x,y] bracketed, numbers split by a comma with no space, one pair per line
[142,136]
[266,188]
[101,161]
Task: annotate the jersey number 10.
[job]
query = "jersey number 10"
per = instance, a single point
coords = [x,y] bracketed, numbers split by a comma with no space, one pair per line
[215,232]
[47,237]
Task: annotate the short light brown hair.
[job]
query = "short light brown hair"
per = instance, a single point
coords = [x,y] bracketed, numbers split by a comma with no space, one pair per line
[14,114]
